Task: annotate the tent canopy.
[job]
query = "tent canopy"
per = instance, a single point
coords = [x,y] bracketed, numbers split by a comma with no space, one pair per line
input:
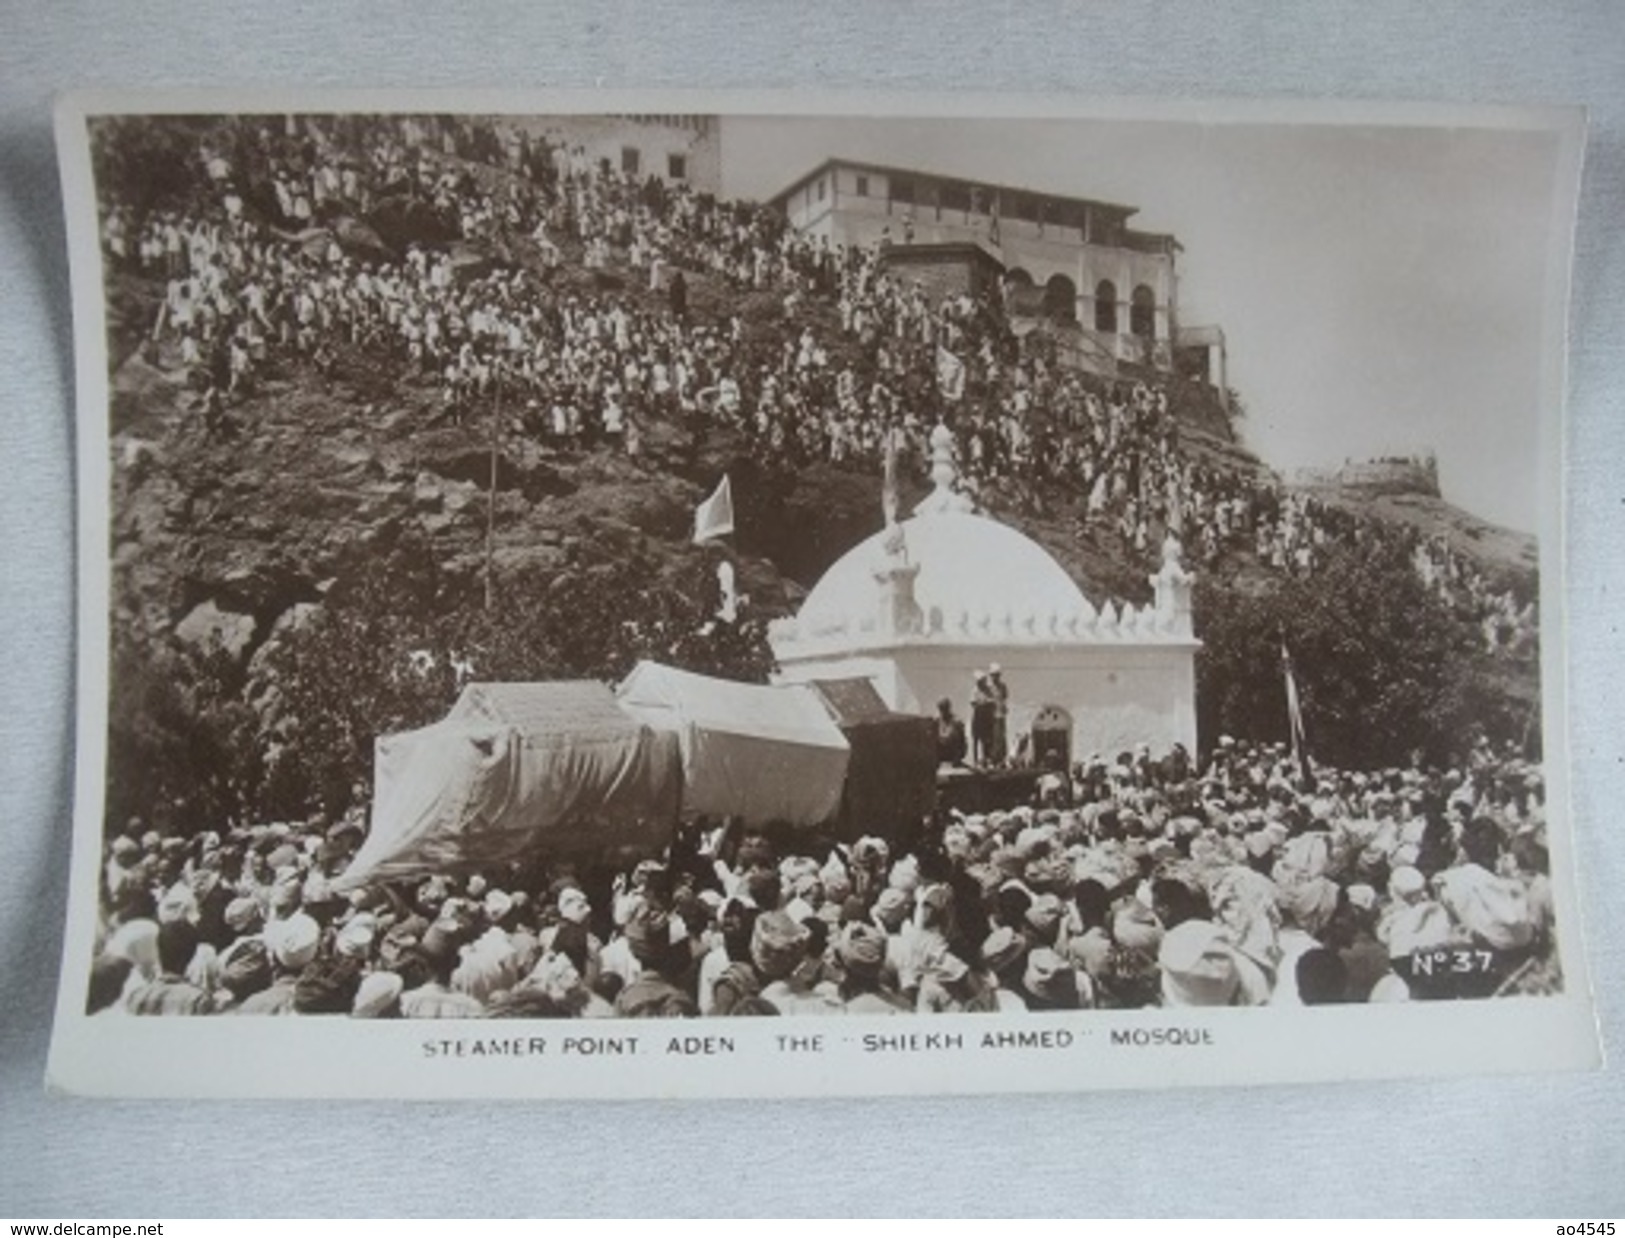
[764,754]
[512,768]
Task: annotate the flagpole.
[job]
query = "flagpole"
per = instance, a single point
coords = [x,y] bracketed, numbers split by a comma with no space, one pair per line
[491,493]
[1294,711]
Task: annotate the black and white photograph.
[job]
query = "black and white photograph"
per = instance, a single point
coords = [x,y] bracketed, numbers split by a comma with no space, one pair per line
[1083,578]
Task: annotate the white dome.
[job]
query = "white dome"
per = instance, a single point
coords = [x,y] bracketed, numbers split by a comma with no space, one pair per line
[969,566]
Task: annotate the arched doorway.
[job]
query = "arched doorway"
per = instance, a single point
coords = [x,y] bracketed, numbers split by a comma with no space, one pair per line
[1106,307]
[1061,299]
[1052,738]
[1142,314]
[1021,295]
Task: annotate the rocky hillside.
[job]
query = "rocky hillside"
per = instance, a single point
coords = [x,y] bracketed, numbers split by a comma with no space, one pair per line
[224,537]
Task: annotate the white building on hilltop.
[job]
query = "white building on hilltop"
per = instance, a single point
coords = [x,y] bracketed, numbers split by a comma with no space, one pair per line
[922,606]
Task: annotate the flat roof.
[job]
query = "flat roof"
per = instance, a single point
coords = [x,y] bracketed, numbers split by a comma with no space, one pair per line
[837,161]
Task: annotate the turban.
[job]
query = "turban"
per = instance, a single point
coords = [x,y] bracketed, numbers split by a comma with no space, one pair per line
[938,898]
[355,938]
[246,968]
[1307,854]
[178,903]
[837,881]
[648,934]
[283,856]
[498,904]
[487,967]
[293,941]
[777,944]
[137,941]
[1198,965]
[326,987]
[1052,872]
[1044,916]
[1244,902]
[1493,909]
[1045,974]
[1136,927]
[1416,926]
[378,996]
[1309,902]
[285,892]
[862,948]
[1405,883]
[905,875]
[1033,841]
[800,910]
[870,851]
[1003,947]
[573,905]
[891,908]
[243,915]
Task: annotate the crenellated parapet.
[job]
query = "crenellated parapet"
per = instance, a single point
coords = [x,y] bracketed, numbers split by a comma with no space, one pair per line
[1164,621]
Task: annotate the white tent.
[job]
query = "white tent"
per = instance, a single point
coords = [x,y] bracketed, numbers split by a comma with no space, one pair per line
[761,753]
[511,768]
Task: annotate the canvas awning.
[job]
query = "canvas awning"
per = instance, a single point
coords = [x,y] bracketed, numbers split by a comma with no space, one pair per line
[512,769]
[764,754]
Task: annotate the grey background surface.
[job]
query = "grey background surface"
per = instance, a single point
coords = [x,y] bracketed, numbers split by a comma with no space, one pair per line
[1517,1145]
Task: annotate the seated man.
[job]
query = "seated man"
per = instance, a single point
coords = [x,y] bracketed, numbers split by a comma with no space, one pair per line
[951,743]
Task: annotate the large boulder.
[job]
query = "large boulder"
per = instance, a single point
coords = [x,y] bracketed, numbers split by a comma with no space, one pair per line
[207,627]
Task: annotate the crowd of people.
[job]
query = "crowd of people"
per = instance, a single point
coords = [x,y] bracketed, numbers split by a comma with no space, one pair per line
[1129,883]
[260,266]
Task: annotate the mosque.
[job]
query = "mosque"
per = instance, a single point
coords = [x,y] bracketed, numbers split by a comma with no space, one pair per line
[922,606]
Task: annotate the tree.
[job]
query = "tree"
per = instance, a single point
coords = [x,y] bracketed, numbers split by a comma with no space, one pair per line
[1384,669]
[394,640]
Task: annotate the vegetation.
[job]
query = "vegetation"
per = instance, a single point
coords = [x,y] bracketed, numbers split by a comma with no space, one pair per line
[1385,671]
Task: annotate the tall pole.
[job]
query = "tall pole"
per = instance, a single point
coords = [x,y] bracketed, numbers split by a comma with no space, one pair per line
[491,494]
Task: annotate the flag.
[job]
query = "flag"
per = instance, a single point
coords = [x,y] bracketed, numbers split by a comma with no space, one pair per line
[715,517]
[888,487]
[1294,712]
[950,374]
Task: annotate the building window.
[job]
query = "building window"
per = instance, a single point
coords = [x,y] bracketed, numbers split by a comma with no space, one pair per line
[863,186]
[902,191]
[820,188]
[1106,307]
[955,198]
[629,160]
[677,167]
[1142,313]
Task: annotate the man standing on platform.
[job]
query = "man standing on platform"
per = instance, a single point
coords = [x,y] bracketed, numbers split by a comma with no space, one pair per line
[1000,691]
[981,721]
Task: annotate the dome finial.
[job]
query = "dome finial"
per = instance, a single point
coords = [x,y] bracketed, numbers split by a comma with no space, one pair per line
[943,475]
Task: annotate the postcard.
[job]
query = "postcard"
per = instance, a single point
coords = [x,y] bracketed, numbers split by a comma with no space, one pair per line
[680,595]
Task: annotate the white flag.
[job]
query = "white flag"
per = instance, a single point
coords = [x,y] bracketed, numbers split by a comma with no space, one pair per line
[1294,712]
[950,374]
[715,517]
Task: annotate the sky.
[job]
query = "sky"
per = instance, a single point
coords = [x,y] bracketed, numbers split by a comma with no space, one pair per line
[1380,288]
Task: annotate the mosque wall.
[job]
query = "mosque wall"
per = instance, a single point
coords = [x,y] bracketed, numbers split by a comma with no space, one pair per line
[1118,695]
